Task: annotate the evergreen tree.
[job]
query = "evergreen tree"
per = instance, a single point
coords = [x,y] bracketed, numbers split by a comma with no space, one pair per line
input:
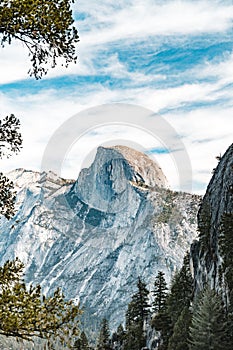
[104,336]
[162,323]
[180,336]
[26,313]
[208,329]
[159,292]
[45,27]
[120,333]
[181,290]
[141,301]
[204,226]
[180,295]
[11,142]
[81,343]
[226,249]
[118,337]
[138,310]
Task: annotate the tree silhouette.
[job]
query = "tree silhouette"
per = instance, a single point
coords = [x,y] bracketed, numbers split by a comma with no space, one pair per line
[45,27]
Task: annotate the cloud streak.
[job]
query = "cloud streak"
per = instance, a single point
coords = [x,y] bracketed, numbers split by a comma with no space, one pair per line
[174,57]
[139,19]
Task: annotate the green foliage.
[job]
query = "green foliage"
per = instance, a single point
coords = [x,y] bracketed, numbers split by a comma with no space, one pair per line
[26,313]
[118,337]
[226,248]
[204,225]
[10,142]
[134,338]
[81,343]
[10,137]
[181,291]
[140,301]
[44,26]
[104,336]
[7,197]
[120,332]
[169,211]
[138,310]
[208,329]
[177,300]
[159,292]
[179,338]
[162,322]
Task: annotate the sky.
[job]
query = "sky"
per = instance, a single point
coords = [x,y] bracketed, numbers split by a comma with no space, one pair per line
[173,58]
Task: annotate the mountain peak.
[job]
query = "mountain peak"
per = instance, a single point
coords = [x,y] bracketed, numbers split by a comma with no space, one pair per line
[148,169]
[117,175]
[94,237]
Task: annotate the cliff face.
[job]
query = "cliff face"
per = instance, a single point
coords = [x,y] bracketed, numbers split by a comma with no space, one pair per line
[217,201]
[93,237]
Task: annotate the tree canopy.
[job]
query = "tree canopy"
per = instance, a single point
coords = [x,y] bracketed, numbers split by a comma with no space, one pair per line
[137,312]
[25,313]
[104,336]
[82,342]
[159,292]
[46,29]
[10,143]
[208,329]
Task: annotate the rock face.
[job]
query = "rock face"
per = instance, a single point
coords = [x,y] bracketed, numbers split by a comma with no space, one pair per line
[112,177]
[217,201]
[93,237]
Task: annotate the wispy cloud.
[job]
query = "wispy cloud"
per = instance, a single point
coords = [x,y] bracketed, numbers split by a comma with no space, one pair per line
[174,57]
[137,19]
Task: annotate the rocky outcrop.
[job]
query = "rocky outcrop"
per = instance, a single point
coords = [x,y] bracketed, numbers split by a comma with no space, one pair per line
[93,237]
[217,201]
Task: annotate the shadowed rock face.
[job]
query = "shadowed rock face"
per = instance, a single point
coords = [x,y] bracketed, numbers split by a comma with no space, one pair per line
[93,237]
[217,201]
[112,174]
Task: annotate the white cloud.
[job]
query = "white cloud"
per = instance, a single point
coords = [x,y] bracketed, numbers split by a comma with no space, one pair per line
[108,21]
[206,132]
[222,70]
[137,20]
[13,60]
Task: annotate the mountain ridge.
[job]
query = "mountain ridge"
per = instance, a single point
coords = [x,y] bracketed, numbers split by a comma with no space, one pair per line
[95,243]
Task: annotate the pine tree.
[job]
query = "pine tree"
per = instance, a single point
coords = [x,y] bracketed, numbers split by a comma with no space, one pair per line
[11,142]
[208,329]
[159,292]
[180,296]
[204,226]
[138,310]
[226,248]
[179,338]
[134,338]
[120,332]
[118,337]
[25,313]
[44,26]
[141,301]
[162,323]
[81,343]
[181,290]
[104,336]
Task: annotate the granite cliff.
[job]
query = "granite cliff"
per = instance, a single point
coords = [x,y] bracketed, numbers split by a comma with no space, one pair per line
[217,202]
[93,237]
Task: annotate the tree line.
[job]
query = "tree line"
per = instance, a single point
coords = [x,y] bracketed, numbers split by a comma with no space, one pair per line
[177,318]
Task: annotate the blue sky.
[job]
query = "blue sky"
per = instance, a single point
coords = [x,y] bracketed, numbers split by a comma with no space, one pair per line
[173,57]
